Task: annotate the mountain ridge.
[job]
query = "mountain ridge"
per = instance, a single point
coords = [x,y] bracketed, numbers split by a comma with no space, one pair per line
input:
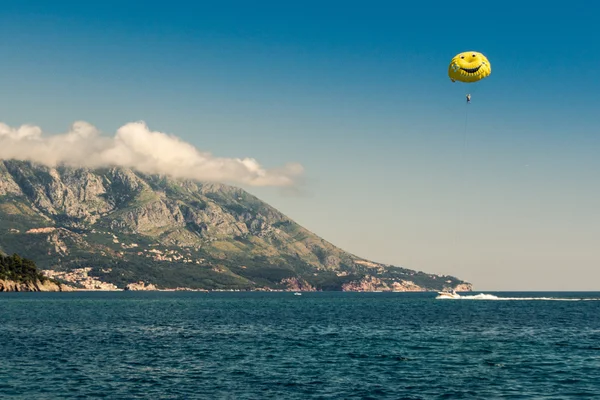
[125,226]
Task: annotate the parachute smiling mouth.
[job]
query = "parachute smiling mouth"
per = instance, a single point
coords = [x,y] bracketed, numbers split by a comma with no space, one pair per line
[472,70]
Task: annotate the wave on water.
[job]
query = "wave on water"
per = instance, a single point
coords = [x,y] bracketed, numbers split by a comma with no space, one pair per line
[484,296]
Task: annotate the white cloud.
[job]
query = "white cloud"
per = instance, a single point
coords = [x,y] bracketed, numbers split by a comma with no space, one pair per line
[135,146]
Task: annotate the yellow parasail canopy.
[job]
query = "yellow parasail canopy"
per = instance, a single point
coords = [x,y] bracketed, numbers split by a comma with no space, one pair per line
[469,67]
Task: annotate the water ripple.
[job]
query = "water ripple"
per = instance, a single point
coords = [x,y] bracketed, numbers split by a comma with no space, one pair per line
[275,345]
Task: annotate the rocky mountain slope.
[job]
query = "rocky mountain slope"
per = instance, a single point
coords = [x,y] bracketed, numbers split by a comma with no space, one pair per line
[116,227]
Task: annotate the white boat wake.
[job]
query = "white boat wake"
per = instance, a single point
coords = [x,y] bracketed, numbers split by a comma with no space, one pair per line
[484,296]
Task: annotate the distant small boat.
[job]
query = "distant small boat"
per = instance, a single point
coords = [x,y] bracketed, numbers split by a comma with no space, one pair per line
[297,294]
[448,294]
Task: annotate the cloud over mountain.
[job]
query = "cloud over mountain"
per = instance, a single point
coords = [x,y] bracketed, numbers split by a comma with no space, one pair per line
[134,145]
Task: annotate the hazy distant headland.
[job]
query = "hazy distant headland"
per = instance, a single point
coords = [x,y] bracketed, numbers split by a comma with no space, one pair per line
[117,228]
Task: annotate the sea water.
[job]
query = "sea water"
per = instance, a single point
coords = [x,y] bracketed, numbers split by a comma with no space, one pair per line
[186,345]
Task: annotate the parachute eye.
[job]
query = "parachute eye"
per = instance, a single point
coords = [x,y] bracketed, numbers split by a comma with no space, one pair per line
[473,55]
[462,56]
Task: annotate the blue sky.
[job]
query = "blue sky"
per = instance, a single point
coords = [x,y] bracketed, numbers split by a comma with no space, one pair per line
[358,93]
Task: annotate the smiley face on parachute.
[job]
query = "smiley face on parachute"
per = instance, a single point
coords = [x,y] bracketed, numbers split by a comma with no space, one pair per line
[469,66]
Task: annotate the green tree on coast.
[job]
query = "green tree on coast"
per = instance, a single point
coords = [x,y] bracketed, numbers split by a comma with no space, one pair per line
[18,269]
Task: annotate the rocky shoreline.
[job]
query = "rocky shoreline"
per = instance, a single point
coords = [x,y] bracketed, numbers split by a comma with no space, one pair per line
[35,286]
[49,286]
[80,280]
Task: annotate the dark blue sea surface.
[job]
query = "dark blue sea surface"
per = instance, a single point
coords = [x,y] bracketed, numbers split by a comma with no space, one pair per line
[186,345]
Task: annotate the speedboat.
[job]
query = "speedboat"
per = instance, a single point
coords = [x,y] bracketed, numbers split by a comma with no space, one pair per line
[448,294]
[297,294]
